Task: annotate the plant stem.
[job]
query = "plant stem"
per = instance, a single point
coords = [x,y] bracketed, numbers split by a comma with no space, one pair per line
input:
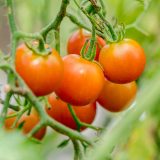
[76,149]
[16,108]
[81,25]
[19,115]
[11,18]
[54,24]
[5,108]
[78,154]
[78,122]
[57,39]
[67,131]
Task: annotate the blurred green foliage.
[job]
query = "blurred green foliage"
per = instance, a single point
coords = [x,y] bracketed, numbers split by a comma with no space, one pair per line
[14,146]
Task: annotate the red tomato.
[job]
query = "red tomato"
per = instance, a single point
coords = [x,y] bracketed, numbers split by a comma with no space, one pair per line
[123,62]
[30,121]
[60,112]
[41,73]
[77,41]
[116,97]
[82,81]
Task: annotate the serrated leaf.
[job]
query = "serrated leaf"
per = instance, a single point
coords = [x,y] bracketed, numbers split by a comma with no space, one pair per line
[63,144]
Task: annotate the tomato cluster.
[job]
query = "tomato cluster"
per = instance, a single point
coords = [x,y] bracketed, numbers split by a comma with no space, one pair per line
[108,80]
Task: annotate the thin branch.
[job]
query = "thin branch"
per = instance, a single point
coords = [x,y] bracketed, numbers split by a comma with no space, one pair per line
[16,108]
[79,123]
[54,24]
[5,108]
[11,18]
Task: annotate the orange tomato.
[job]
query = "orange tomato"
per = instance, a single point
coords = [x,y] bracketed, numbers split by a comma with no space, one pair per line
[78,39]
[30,121]
[60,112]
[41,73]
[82,81]
[123,62]
[116,97]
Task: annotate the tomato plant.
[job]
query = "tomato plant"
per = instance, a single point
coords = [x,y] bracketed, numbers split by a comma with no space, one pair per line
[123,62]
[41,73]
[35,70]
[117,97]
[29,122]
[78,39]
[60,112]
[82,81]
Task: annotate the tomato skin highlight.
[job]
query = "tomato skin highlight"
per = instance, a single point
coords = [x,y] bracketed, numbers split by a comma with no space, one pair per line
[78,39]
[122,62]
[30,121]
[41,73]
[60,112]
[117,97]
[82,81]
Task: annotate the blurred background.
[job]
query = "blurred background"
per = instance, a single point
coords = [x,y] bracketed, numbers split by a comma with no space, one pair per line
[32,15]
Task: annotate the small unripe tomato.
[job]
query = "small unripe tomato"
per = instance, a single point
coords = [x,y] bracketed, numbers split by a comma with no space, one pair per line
[122,62]
[82,81]
[30,121]
[41,73]
[117,97]
[78,39]
[60,112]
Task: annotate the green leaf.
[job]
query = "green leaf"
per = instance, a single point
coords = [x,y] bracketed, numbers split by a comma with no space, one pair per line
[64,143]
[15,146]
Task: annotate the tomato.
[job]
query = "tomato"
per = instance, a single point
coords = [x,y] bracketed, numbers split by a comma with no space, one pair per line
[116,97]
[82,81]
[60,112]
[30,121]
[78,39]
[123,62]
[41,73]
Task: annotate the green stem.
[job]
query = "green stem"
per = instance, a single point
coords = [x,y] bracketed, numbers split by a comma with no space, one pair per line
[76,149]
[57,39]
[78,153]
[16,108]
[67,131]
[110,28]
[103,8]
[81,25]
[19,115]
[90,55]
[5,108]
[40,125]
[54,24]
[11,18]
[78,122]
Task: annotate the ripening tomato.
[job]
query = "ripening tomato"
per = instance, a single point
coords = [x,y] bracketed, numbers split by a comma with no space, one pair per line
[78,39]
[82,81]
[123,62]
[60,112]
[116,97]
[41,73]
[30,121]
